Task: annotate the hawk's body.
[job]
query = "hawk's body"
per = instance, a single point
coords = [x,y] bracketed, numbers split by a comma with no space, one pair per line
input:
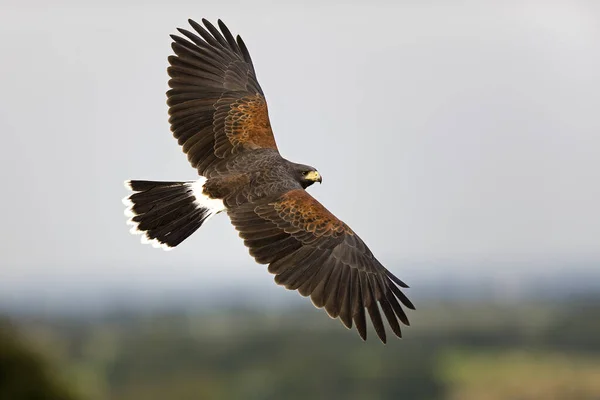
[251,176]
[219,115]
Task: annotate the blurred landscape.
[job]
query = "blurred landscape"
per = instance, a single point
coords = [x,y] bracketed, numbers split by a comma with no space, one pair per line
[474,347]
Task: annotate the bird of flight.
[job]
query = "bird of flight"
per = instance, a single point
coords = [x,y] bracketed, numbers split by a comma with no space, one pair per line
[218,114]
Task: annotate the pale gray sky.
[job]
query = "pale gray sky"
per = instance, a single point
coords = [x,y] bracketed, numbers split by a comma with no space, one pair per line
[452,135]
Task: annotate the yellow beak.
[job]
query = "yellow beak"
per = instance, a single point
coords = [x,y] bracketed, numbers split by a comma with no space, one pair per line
[314,176]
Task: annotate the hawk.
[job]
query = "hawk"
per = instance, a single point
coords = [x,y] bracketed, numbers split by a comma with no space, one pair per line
[218,114]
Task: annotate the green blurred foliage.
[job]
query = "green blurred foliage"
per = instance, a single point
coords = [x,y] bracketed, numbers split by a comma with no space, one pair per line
[24,374]
[521,375]
[453,351]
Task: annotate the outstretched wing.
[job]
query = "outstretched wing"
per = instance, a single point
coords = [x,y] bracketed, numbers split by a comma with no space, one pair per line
[310,250]
[216,105]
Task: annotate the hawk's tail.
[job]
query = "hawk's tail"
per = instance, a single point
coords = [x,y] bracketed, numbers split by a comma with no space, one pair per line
[166,213]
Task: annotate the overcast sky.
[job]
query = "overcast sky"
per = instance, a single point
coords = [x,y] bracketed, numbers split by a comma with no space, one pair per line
[452,136]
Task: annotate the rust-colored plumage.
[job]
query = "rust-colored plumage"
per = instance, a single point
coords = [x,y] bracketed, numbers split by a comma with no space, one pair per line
[303,211]
[218,114]
[247,124]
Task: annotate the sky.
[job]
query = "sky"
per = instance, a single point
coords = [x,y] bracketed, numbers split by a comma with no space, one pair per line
[455,137]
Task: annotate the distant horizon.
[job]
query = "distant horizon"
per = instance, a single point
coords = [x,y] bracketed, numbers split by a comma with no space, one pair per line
[493,285]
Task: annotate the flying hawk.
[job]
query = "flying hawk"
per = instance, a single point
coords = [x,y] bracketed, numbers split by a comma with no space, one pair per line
[218,114]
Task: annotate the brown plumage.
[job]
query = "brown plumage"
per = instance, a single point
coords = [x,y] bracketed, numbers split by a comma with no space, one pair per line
[218,114]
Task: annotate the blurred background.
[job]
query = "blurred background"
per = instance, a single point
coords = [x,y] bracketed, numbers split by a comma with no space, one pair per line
[460,139]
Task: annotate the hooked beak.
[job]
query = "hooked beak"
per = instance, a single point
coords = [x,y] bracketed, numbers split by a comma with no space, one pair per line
[314,176]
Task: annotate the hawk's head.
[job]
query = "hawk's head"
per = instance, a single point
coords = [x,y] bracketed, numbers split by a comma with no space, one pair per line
[306,175]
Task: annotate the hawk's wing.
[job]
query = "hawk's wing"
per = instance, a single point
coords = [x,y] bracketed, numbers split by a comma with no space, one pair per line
[216,105]
[310,250]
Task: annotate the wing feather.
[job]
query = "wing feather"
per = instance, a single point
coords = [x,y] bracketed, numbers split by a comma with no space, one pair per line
[217,108]
[358,308]
[346,307]
[310,250]
[229,37]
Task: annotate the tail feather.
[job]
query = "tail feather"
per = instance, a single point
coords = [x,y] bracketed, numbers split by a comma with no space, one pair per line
[166,213]
[170,209]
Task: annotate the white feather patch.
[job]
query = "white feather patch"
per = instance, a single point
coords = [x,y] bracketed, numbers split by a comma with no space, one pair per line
[204,201]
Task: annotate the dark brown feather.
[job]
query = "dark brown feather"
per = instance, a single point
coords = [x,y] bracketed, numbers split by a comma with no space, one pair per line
[232,43]
[372,307]
[358,309]
[346,308]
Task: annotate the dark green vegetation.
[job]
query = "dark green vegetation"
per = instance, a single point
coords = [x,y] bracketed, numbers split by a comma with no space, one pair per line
[24,374]
[453,351]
